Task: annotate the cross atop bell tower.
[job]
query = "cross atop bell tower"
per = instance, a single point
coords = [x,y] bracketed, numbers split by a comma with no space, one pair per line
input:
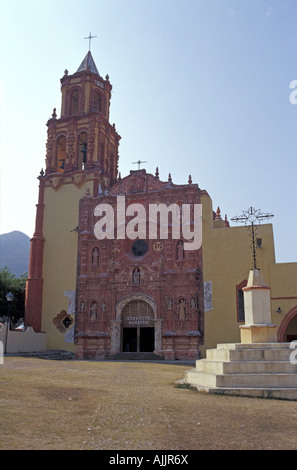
[90,37]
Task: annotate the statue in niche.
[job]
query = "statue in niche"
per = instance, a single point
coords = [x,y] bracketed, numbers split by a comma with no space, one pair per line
[82,305]
[182,309]
[161,262]
[111,264]
[93,311]
[95,257]
[169,303]
[139,183]
[180,250]
[103,305]
[136,277]
[193,302]
[116,249]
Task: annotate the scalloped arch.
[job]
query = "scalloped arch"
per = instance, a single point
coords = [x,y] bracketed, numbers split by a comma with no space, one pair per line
[285,322]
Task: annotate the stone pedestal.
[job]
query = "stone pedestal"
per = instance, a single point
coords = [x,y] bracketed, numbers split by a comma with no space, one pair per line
[258,327]
[258,334]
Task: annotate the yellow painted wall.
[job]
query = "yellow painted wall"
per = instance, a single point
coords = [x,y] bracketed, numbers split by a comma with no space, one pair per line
[60,256]
[283,290]
[227,259]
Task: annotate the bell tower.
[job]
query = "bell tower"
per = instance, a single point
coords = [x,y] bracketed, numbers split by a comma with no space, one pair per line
[82,138]
[81,158]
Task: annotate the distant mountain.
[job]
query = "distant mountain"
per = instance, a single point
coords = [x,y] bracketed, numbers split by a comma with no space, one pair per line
[14,252]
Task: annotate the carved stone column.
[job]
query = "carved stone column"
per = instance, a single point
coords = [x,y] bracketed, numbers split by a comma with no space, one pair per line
[158,336]
[115,336]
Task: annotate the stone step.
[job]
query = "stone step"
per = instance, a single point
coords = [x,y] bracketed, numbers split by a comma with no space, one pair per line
[203,379]
[57,355]
[257,380]
[253,346]
[246,367]
[253,392]
[251,354]
[135,356]
[242,380]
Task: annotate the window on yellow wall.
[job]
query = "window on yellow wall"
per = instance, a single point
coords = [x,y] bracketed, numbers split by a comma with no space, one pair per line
[240,301]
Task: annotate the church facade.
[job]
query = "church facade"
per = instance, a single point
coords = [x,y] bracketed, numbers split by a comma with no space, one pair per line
[96,291]
[138,294]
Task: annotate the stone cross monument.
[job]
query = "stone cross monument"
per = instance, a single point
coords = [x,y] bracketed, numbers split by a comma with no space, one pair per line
[258,327]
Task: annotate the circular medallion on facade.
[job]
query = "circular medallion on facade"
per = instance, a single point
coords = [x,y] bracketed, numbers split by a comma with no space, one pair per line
[139,248]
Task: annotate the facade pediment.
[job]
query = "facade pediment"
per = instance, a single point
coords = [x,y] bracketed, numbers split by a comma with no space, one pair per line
[139,181]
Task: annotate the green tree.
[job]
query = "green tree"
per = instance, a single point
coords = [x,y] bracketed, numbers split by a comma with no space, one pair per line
[17,285]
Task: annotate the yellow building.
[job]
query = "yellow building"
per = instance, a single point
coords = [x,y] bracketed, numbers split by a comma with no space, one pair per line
[82,162]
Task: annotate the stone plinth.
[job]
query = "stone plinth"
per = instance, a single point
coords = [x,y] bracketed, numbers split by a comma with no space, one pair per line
[258,327]
[258,333]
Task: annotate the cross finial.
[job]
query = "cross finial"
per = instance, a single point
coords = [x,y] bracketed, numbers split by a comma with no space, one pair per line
[90,37]
[252,216]
[138,163]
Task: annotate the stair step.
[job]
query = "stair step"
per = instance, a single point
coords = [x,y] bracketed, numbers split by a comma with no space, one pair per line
[249,354]
[242,380]
[246,367]
[58,355]
[282,393]
[135,356]
[253,346]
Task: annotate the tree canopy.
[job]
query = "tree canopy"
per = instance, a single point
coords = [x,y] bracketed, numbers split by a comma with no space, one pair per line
[17,285]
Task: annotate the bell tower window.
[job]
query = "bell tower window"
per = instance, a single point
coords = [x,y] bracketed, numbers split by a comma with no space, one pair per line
[61,153]
[97,104]
[74,103]
[82,150]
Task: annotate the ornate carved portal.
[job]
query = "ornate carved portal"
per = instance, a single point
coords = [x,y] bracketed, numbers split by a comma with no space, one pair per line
[136,328]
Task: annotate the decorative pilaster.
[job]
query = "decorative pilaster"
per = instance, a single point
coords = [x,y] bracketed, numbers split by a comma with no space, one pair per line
[34,284]
[115,336]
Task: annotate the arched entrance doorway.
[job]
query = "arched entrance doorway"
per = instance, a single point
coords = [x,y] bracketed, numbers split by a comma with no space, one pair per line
[138,327]
[137,311]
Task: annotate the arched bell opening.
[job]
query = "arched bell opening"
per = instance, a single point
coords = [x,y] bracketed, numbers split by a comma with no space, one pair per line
[61,153]
[82,150]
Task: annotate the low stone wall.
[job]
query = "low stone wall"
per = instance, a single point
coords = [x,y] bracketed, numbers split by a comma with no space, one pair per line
[22,341]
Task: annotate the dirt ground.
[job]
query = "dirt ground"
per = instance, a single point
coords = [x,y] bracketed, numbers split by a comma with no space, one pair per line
[85,405]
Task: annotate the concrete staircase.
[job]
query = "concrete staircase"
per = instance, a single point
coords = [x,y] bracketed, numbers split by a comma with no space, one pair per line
[256,370]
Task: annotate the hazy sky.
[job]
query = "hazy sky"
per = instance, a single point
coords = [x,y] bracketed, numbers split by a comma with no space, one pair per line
[200,87]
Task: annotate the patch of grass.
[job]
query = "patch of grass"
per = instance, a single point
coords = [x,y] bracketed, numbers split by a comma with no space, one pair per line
[185,386]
